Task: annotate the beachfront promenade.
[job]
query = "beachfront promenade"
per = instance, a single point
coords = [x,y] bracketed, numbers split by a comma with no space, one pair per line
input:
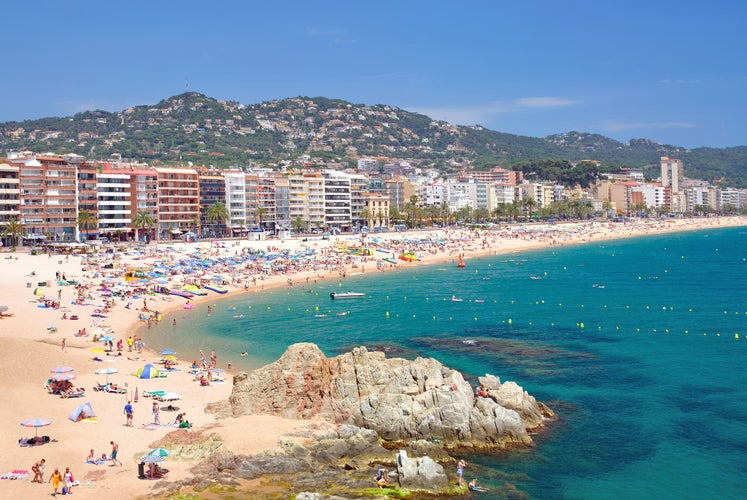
[105,302]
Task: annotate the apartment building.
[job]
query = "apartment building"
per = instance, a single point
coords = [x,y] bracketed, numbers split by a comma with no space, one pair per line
[306,199]
[10,198]
[672,173]
[144,199]
[377,208]
[498,175]
[337,201]
[266,212]
[48,197]
[114,198]
[282,204]
[88,198]
[227,188]
[178,201]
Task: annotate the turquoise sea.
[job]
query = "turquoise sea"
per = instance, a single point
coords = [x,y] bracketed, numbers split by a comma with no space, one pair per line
[632,342]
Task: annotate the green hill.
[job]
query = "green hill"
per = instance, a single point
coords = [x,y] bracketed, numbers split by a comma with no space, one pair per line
[194,128]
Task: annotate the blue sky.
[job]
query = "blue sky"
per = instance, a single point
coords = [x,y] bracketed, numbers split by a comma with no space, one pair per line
[671,71]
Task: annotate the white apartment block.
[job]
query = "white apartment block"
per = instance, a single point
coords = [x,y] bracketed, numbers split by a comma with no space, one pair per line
[235,198]
[672,173]
[434,194]
[114,201]
[653,195]
[734,198]
[501,193]
[337,200]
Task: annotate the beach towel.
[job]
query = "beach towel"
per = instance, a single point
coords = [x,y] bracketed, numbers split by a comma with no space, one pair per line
[16,474]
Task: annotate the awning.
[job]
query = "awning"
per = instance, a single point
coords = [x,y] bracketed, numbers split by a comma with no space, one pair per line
[176,231]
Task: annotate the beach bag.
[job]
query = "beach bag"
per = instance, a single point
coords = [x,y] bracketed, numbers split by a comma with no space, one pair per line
[64,490]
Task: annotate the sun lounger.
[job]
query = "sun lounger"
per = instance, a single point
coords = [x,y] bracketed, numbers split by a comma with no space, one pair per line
[77,393]
[153,394]
[114,390]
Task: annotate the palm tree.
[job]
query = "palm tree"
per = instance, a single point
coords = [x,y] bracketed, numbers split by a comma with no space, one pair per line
[142,219]
[366,216]
[86,220]
[530,205]
[13,229]
[217,213]
[299,224]
[260,212]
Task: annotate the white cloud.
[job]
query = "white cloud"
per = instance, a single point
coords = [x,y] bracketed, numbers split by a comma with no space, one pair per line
[473,115]
[621,125]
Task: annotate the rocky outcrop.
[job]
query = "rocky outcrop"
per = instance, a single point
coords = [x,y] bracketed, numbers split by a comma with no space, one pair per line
[420,473]
[396,398]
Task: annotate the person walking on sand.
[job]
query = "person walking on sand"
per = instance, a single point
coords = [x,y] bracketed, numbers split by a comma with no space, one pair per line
[55,480]
[115,451]
[156,410]
[64,344]
[69,480]
[128,413]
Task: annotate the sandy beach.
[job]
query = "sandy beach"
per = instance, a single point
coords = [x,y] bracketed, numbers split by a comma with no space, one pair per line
[35,339]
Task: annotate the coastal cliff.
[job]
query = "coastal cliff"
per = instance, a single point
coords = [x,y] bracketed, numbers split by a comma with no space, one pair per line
[400,400]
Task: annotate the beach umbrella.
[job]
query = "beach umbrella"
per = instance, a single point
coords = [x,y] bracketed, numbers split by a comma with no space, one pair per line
[171,396]
[107,338]
[147,371]
[63,376]
[152,458]
[167,352]
[159,452]
[106,371]
[36,423]
[39,292]
[3,309]
[61,369]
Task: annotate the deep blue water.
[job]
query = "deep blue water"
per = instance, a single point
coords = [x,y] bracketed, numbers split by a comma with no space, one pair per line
[631,342]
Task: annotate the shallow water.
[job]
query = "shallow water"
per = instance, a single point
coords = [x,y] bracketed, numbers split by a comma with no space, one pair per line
[632,342]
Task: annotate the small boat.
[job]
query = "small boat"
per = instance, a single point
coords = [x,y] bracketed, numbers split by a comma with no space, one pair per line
[347,295]
[535,277]
[216,288]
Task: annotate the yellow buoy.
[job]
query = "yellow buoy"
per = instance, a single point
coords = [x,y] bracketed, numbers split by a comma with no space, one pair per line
[510,321]
[387,314]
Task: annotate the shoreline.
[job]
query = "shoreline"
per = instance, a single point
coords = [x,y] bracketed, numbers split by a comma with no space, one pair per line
[32,350]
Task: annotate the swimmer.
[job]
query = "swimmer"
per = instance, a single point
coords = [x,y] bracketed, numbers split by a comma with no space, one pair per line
[244,353]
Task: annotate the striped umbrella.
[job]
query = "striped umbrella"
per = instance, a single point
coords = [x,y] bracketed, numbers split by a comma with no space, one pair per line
[105,371]
[61,369]
[63,376]
[36,423]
